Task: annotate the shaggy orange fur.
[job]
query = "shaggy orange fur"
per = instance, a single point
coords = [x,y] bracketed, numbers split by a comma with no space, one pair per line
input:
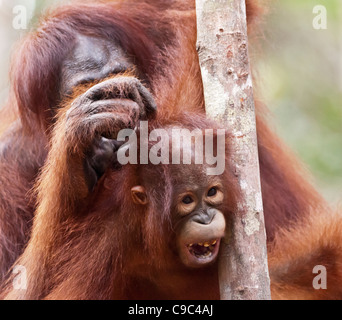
[79,241]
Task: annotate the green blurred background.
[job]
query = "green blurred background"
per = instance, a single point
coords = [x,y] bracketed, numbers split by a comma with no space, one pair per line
[301,81]
[300,78]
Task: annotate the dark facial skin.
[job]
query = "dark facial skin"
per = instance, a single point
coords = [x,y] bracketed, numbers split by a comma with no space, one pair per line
[197,209]
[92,59]
[197,217]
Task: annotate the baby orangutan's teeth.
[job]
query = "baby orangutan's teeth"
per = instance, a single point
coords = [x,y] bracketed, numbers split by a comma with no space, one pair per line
[213,242]
[191,244]
[200,244]
[206,244]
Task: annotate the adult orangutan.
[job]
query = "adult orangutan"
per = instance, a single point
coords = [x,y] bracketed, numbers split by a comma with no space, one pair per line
[86,72]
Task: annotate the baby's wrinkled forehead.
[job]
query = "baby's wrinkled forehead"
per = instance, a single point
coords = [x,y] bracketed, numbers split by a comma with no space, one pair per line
[192,176]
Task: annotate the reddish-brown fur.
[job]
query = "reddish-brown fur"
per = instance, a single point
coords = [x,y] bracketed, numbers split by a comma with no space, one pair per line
[80,255]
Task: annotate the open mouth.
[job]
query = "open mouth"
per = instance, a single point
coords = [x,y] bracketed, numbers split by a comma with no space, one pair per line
[200,254]
[203,250]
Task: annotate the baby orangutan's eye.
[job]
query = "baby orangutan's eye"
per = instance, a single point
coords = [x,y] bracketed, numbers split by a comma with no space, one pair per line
[187,200]
[212,192]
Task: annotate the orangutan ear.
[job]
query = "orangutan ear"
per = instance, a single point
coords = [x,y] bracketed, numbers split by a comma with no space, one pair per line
[139,195]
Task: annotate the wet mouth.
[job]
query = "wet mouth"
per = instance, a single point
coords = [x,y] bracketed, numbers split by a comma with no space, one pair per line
[204,250]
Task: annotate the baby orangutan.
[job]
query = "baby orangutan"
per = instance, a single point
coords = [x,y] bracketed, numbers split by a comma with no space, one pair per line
[184,214]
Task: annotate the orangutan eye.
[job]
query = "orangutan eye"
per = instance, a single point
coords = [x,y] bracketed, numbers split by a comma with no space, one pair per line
[187,200]
[212,192]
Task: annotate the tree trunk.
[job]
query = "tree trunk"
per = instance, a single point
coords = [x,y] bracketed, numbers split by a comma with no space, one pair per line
[222,45]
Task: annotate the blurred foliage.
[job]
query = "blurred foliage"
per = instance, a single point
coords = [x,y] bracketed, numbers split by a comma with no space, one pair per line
[301,76]
[42,5]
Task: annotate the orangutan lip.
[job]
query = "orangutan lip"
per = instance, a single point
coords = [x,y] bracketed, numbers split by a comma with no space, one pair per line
[203,250]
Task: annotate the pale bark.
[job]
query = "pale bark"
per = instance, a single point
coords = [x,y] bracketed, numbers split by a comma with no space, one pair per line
[222,45]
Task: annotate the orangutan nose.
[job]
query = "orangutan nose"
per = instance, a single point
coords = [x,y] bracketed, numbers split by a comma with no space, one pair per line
[205,216]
